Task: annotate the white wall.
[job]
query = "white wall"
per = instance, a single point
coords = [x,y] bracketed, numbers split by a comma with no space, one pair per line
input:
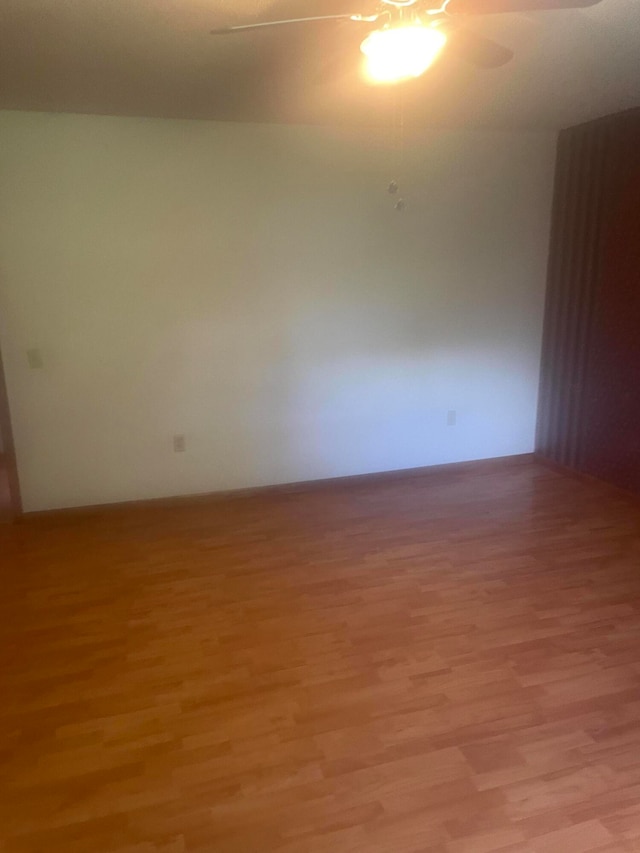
[253,288]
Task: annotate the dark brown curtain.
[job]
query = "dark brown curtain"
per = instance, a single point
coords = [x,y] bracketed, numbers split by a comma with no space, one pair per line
[589,416]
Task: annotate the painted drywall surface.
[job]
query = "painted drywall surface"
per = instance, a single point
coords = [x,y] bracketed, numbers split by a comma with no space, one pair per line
[252,288]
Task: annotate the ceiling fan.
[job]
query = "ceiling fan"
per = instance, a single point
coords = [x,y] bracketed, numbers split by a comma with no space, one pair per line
[403,38]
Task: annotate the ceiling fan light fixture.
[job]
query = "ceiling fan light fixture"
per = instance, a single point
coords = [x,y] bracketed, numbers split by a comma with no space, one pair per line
[398,53]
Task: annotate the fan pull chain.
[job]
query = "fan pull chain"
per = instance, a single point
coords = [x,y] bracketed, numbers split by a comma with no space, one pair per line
[398,146]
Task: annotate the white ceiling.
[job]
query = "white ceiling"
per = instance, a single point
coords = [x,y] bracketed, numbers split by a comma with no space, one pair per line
[157,58]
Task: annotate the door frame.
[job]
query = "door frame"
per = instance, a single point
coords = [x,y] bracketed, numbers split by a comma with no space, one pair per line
[9,451]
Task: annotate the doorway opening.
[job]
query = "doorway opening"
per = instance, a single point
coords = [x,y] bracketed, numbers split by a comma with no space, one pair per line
[10,504]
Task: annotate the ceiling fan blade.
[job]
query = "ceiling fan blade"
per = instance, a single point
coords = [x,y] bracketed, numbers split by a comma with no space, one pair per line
[488,7]
[225,31]
[478,50]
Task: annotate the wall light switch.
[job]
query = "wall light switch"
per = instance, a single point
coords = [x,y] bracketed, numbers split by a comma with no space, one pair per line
[452,417]
[179,444]
[34,359]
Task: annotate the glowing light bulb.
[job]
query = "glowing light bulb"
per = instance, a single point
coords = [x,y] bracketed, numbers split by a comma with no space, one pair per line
[401,52]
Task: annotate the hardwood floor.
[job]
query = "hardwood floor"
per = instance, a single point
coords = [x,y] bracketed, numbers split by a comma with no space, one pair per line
[447,663]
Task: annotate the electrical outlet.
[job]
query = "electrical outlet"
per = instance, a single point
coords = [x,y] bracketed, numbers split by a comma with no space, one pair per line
[34,359]
[179,444]
[452,417]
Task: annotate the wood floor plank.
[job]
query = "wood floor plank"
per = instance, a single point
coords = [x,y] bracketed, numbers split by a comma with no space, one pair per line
[447,663]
